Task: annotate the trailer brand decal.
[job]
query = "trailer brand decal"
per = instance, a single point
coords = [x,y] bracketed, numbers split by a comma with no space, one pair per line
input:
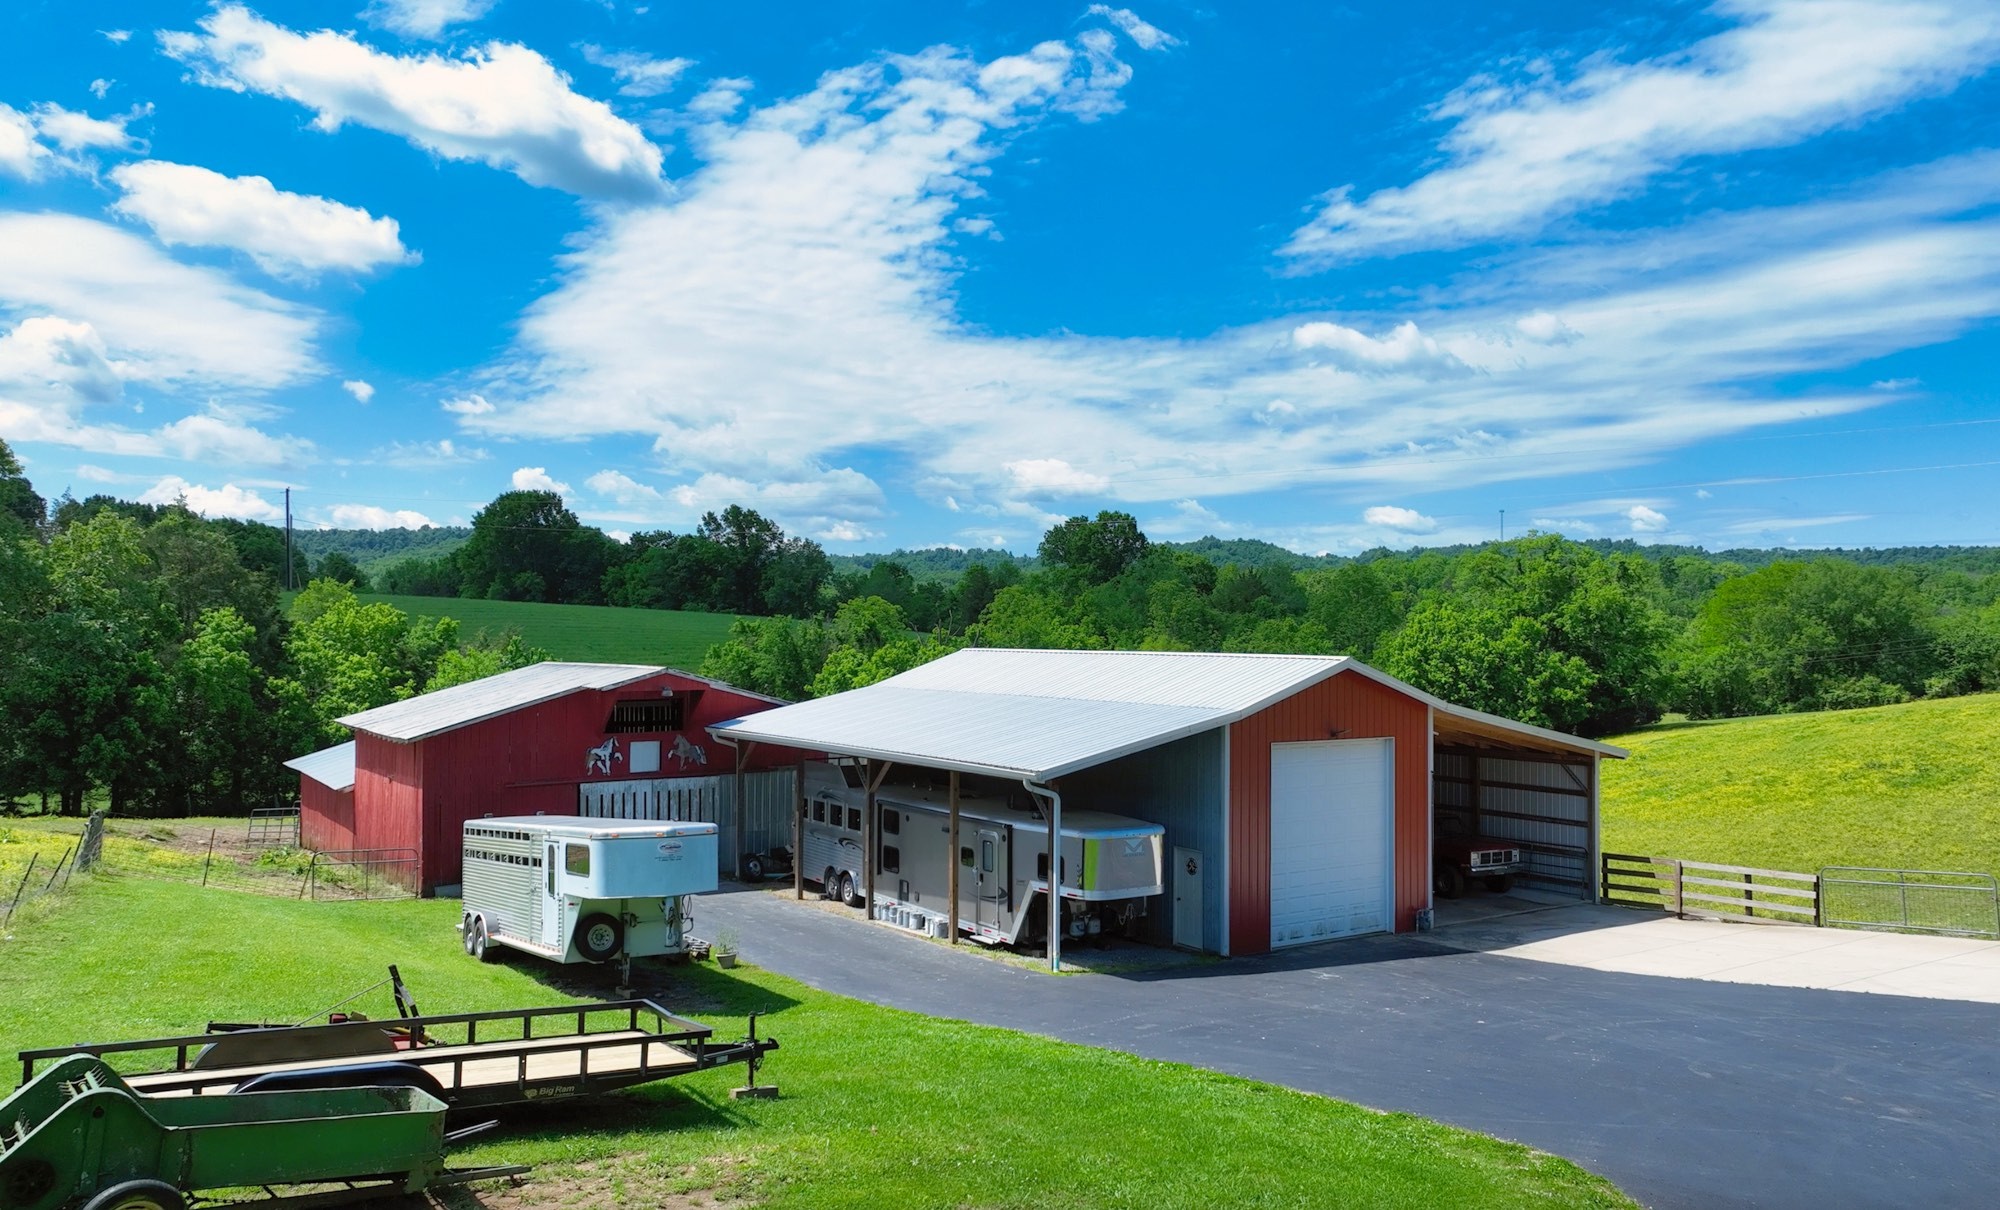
[671,850]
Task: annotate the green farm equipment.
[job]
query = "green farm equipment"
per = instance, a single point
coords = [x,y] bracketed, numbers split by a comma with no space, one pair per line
[76,1137]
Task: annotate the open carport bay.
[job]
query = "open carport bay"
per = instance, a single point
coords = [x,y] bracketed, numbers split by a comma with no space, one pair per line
[1685,1092]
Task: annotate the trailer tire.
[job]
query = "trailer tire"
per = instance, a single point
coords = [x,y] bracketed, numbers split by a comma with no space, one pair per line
[599,936]
[138,1195]
[846,894]
[482,946]
[753,868]
[465,933]
[828,884]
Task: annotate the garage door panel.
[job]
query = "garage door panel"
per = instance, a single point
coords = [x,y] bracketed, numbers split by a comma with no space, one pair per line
[1330,840]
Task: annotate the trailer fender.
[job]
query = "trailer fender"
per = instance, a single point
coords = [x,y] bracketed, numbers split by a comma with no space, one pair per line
[364,1075]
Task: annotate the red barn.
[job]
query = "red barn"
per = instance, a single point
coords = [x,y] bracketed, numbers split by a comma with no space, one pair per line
[555,738]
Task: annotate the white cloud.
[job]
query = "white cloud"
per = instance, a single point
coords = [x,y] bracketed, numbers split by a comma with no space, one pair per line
[1405,350]
[720,98]
[166,324]
[536,479]
[1407,520]
[502,105]
[1040,478]
[228,500]
[469,405]
[369,516]
[73,131]
[638,75]
[622,488]
[20,154]
[1645,520]
[115,36]
[423,18]
[211,437]
[793,308]
[283,232]
[91,473]
[1148,37]
[101,87]
[1523,150]
[1765,525]
[1544,328]
[1895,384]
[417,455]
[846,531]
[1702,493]
[361,389]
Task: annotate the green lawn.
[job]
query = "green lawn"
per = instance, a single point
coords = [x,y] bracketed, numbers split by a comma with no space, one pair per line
[1914,786]
[880,1108]
[599,633]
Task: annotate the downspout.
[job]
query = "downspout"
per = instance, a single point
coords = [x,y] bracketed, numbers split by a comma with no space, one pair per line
[1055,870]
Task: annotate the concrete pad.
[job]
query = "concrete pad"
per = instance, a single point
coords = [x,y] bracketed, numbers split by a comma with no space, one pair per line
[1632,941]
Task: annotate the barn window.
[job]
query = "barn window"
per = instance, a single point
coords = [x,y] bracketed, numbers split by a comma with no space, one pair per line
[645,714]
[576,859]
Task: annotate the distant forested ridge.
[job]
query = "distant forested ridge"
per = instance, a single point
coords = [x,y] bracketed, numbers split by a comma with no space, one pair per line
[374,549]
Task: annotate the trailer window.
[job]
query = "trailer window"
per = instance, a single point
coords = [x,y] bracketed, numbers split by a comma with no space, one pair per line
[819,811]
[892,859]
[854,819]
[576,859]
[892,822]
[965,856]
[986,856]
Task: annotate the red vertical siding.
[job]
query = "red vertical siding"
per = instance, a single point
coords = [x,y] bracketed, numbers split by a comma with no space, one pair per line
[388,794]
[326,816]
[1348,706]
[531,760]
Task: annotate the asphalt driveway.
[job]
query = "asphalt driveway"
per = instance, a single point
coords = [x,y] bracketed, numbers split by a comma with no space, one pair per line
[1686,1093]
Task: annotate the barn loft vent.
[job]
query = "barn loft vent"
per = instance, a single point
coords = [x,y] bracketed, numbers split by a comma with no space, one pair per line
[646,714]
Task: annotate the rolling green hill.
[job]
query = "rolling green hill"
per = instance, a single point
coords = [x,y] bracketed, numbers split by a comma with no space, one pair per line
[583,632]
[1914,786]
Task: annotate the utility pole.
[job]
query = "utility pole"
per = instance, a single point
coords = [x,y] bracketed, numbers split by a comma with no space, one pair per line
[1503,520]
[288,539]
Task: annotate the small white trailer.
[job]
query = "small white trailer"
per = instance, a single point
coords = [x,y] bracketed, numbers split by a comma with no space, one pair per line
[583,890]
[1111,864]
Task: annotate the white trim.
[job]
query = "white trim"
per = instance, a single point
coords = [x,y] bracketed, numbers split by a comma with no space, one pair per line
[1228,816]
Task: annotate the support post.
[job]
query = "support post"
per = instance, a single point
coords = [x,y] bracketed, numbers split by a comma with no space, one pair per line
[737,814]
[799,836]
[951,857]
[871,835]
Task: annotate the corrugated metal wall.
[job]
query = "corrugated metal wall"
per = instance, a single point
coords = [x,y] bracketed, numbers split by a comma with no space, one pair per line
[389,799]
[326,816]
[770,797]
[1178,785]
[1348,706]
[1543,805]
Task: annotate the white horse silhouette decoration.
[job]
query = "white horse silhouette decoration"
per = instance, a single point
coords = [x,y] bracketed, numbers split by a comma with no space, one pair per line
[599,759]
[687,752]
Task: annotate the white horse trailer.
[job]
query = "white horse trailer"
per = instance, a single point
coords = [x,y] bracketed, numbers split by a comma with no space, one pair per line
[583,890]
[1111,864]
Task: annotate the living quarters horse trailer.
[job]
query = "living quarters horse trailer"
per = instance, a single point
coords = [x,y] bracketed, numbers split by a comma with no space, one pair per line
[583,890]
[1110,863]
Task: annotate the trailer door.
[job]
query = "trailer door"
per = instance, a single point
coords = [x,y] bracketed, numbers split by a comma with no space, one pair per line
[990,881]
[552,904]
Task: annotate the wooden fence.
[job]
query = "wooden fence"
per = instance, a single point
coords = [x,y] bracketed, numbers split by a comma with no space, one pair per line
[1701,888]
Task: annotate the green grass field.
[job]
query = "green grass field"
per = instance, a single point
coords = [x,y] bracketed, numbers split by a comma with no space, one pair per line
[880,1108]
[1914,787]
[584,632]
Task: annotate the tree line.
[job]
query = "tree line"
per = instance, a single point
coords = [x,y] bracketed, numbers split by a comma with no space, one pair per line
[145,657]
[1541,629]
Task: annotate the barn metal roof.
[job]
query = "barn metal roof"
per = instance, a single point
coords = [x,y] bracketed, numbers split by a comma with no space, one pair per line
[1041,714]
[430,714]
[330,767]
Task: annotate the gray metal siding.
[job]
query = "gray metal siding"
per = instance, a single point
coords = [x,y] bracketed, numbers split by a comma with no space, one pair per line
[769,800]
[1561,829]
[1179,786]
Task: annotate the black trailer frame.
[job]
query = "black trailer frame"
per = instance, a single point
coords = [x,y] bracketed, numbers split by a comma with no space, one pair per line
[529,1053]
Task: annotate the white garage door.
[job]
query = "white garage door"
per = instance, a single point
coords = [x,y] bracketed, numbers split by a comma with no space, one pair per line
[1331,840]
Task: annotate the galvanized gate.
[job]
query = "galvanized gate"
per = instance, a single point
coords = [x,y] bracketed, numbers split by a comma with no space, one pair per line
[1948,902]
[770,798]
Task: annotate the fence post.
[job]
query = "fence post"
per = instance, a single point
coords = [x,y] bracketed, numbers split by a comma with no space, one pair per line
[1749,897]
[25,875]
[64,860]
[210,859]
[1680,905]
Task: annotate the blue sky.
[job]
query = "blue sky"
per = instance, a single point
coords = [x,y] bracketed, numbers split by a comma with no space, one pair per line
[941,274]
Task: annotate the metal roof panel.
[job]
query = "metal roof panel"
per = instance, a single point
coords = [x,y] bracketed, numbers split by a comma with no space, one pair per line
[429,714]
[330,767]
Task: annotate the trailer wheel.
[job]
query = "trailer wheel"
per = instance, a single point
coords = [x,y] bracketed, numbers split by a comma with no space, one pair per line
[828,884]
[599,936]
[138,1195]
[465,933]
[846,894]
[753,868]
[482,946]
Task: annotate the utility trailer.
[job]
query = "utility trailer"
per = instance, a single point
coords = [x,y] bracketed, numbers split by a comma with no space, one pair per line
[466,1060]
[78,1137]
[1111,864]
[583,890]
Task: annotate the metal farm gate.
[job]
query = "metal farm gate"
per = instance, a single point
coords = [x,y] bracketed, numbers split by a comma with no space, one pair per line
[770,800]
[1540,803]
